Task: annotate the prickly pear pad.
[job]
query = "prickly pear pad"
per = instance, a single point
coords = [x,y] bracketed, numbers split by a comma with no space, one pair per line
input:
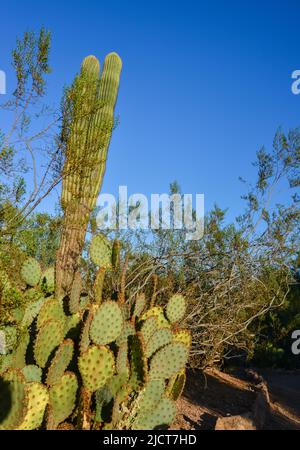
[101,251]
[107,323]
[176,308]
[37,401]
[49,337]
[60,361]
[159,339]
[31,272]
[32,373]
[62,398]
[183,335]
[163,415]
[13,399]
[96,366]
[169,360]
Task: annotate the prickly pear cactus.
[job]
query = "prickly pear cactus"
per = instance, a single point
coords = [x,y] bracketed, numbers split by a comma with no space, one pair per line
[132,363]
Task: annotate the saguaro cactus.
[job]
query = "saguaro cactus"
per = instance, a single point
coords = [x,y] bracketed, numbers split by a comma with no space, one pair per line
[86,134]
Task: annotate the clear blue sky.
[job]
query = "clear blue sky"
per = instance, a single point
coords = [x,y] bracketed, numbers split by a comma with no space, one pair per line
[204,84]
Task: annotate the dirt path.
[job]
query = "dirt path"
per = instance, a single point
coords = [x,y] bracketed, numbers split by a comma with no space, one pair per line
[210,396]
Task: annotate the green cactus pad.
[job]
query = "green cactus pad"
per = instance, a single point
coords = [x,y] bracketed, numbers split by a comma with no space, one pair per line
[62,397]
[176,308]
[159,339]
[158,312]
[48,338]
[6,362]
[84,302]
[48,280]
[19,355]
[117,383]
[176,385]
[107,323]
[71,322]
[51,310]
[97,366]
[168,361]
[128,330]
[149,327]
[31,311]
[31,272]
[17,314]
[138,361]
[116,254]
[74,304]
[163,415]
[101,251]
[122,363]
[151,395]
[98,285]
[13,399]
[37,400]
[139,305]
[85,331]
[32,373]
[102,397]
[184,336]
[60,362]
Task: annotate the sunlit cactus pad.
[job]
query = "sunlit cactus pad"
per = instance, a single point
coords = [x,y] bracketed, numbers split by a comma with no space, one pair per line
[32,373]
[107,323]
[158,312]
[160,417]
[176,308]
[48,338]
[51,309]
[149,327]
[159,339]
[101,251]
[31,272]
[60,362]
[62,397]
[183,336]
[169,360]
[96,367]
[36,404]
[151,395]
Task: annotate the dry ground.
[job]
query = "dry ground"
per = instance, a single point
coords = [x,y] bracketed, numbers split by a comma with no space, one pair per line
[271,398]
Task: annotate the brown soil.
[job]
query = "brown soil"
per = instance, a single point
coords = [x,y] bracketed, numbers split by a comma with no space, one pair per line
[212,395]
